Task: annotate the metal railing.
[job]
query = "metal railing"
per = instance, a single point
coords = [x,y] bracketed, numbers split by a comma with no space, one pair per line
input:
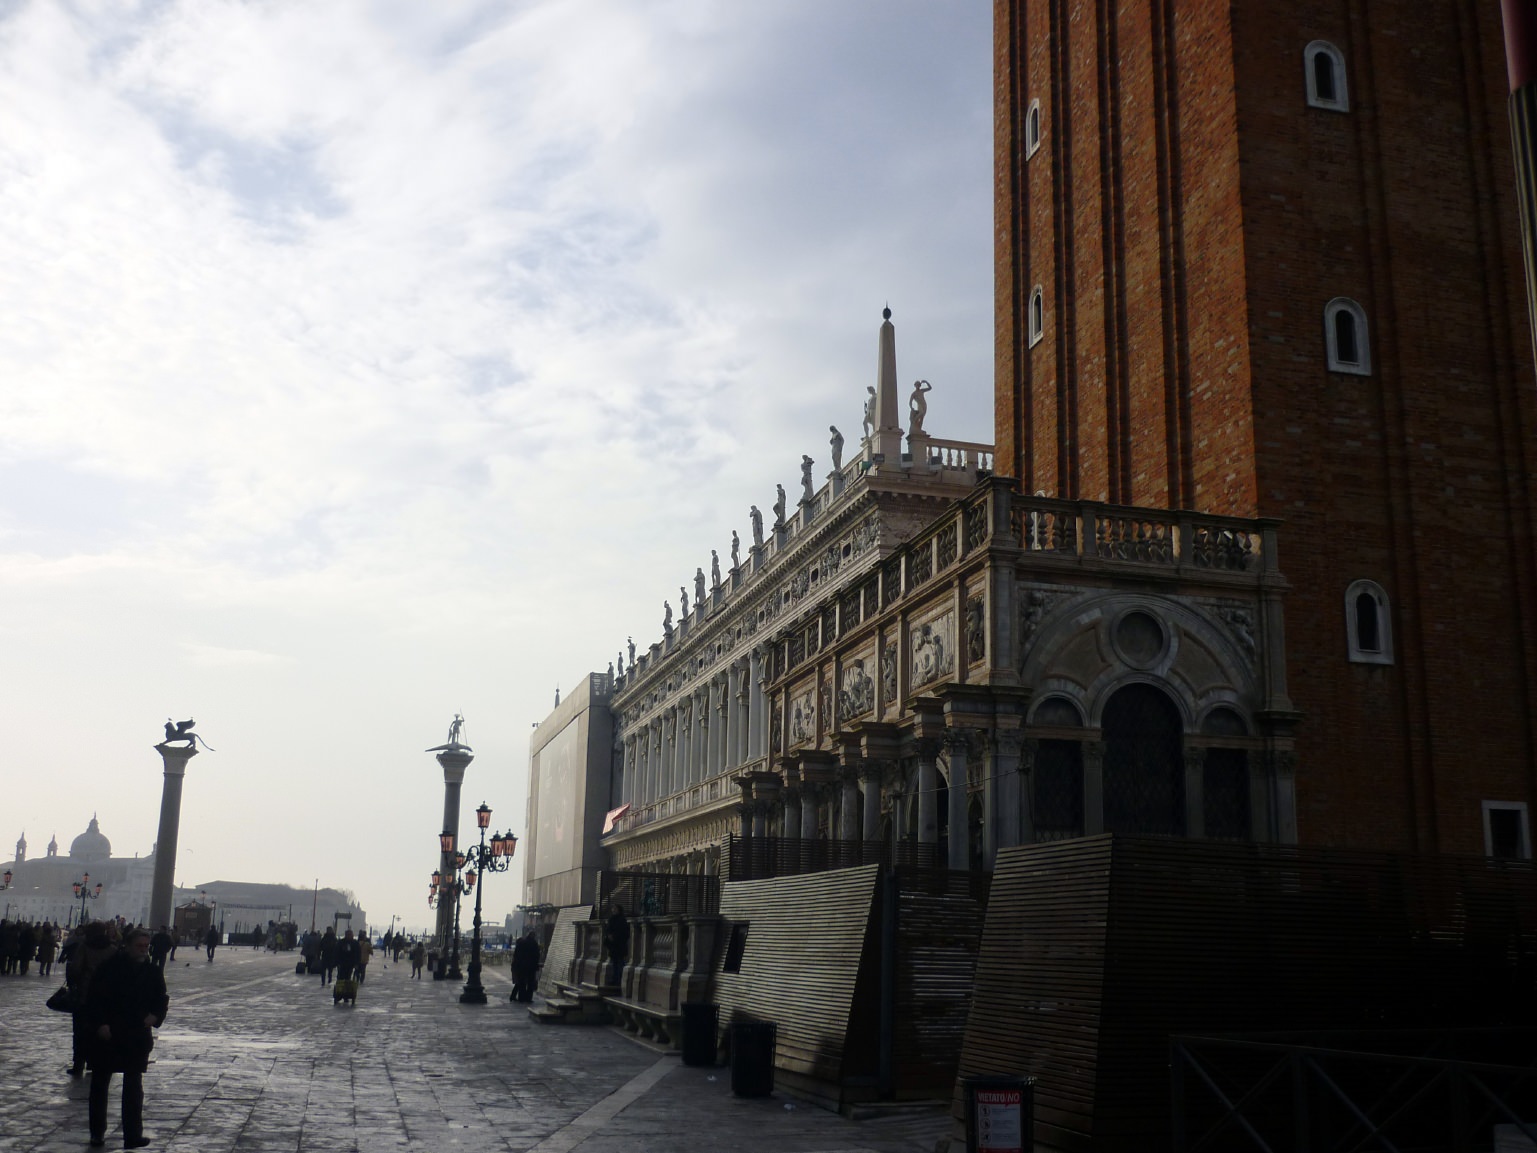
[1395,1091]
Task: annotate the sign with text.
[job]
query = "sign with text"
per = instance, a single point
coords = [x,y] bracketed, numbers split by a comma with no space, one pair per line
[998,1121]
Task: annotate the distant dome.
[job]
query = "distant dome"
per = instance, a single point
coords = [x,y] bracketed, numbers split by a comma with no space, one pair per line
[91,845]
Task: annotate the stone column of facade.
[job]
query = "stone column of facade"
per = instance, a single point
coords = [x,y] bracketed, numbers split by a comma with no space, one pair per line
[174,760]
[870,775]
[1093,788]
[1195,791]
[653,759]
[743,679]
[809,797]
[792,795]
[1009,770]
[718,702]
[453,760]
[960,841]
[760,811]
[848,803]
[756,745]
[686,744]
[707,767]
[928,792]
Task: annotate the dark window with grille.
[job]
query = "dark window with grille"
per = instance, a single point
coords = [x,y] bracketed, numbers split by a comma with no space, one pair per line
[1225,783]
[1144,770]
[1057,791]
[1346,348]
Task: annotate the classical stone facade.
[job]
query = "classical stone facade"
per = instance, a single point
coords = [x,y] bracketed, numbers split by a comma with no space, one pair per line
[923,655]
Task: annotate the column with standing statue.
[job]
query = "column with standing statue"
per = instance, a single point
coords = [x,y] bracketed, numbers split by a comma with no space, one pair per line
[454,756]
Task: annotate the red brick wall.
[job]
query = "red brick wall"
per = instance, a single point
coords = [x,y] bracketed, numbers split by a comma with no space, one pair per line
[1189,216]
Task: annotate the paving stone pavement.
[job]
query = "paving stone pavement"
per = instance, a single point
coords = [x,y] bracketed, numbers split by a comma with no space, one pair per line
[254,1059]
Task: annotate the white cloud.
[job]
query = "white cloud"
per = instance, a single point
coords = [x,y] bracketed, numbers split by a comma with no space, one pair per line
[364,362]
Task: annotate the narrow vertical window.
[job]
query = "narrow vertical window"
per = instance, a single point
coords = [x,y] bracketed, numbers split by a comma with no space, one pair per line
[1037,315]
[1368,624]
[1507,836]
[1032,128]
[1345,337]
[1323,67]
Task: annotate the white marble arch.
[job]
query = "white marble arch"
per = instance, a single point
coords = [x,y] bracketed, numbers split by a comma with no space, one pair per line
[1074,653]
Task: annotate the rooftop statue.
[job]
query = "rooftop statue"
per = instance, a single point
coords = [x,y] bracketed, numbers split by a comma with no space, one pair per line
[715,568]
[630,641]
[683,600]
[757,526]
[667,618]
[736,548]
[869,420]
[453,744]
[918,407]
[808,494]
[182,731]
[779,506]
[699,584]
[837,443]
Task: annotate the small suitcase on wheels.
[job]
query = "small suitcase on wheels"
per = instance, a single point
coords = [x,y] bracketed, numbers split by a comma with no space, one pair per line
[344,990]
[301,968]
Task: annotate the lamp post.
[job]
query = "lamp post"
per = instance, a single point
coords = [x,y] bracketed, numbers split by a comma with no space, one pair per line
[495,858]
[82,889]
[8,875]
[444,885]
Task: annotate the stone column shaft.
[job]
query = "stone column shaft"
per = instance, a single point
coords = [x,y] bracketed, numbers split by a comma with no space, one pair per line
[928,798]
[960,848]
[174,760]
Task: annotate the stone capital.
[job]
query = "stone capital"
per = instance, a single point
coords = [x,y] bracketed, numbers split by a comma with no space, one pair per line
[175,758]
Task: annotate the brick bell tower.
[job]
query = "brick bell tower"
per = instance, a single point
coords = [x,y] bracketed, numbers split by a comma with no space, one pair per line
[1264,260]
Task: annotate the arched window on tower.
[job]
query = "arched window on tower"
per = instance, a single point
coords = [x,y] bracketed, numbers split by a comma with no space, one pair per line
[1324,69]
[1368,623]
[1032,128]
[1345,337]
[1037,315]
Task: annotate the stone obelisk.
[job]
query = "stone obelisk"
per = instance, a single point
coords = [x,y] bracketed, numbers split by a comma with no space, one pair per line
[454,757]
[175,758]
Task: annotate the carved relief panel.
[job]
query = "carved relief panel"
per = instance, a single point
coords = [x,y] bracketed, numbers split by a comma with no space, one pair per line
[932,645]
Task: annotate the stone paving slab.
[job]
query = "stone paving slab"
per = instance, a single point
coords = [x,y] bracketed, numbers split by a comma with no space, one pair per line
[255,1059]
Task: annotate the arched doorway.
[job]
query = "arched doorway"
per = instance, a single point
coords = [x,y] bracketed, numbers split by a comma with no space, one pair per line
[1144,766]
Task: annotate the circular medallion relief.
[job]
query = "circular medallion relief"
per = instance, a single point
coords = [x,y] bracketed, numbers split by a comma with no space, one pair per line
[1140,637]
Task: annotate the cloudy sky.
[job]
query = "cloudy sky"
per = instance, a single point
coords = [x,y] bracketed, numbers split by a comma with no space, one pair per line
[361,363]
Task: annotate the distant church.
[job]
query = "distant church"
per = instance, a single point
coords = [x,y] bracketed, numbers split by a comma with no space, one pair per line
[43,888]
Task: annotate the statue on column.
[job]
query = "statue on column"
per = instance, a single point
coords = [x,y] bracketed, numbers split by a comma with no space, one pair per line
[699,583]
[667,617]
[807,493]
[779,506]
[683,600]
[715,568]
[631,642]
[918,407]
[736,549]
[837,446]
[869,417]
[621,664]
[757,526]
[182,731]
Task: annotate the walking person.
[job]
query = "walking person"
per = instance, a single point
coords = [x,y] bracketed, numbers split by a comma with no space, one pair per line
[212,939]
[616,935]
[418,959]
[127,1001]
[160,947]
[89,947]
[525,966]
[365,954]
[327,956]
[348,958]
[47,947]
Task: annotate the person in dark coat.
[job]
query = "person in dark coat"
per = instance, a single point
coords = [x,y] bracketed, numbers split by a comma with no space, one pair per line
[126,1002]
[349,958]
[47,946]
[327,956]
[160,947]
[616,935]
[525,966]
[88,948]
[211,939]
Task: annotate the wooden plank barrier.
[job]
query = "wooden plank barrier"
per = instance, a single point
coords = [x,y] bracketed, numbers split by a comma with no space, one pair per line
[1096,950]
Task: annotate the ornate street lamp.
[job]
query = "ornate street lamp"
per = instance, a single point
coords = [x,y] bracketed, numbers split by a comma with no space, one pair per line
[82,889]
[493,858]
[453,886]
[8,874]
